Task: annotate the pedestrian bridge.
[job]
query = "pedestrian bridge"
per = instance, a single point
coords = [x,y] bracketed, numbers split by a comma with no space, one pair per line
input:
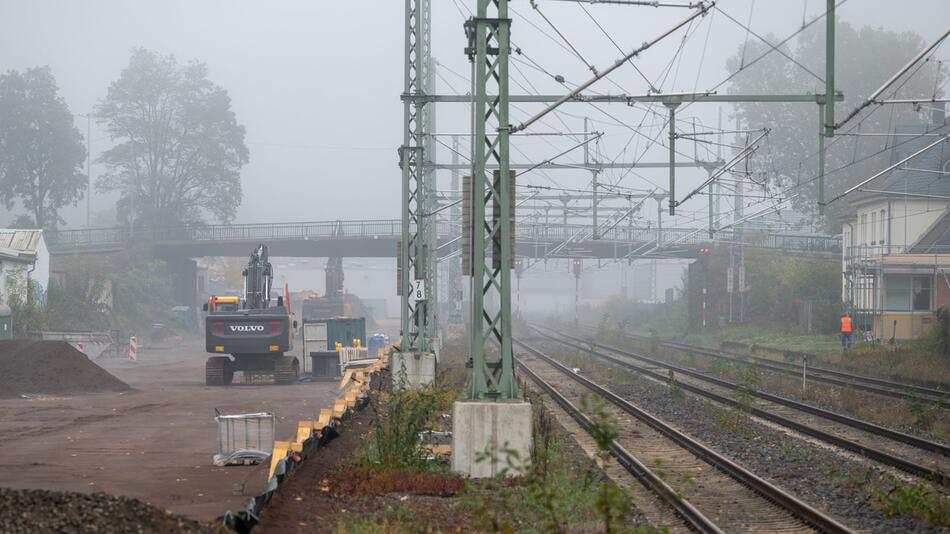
[378,239]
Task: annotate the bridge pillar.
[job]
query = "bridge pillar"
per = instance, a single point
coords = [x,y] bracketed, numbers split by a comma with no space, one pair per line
[184,273]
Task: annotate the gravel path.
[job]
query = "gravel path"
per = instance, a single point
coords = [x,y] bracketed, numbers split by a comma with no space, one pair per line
[814,474]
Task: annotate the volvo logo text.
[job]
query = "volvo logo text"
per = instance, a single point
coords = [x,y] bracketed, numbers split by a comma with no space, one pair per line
[247,328]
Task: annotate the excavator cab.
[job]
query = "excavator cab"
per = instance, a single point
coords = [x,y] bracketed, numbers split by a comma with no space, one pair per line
[217,304]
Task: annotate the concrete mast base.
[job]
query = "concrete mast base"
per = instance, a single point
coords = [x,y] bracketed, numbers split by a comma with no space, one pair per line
[482,432]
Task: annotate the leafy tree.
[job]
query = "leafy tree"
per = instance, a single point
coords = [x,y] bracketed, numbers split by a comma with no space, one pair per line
[23,222]
[179,149]
[142,294]
[128,292]
[77,301]
[865,59]
[41,151]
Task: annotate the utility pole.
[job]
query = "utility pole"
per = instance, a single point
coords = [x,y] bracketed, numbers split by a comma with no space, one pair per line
[412,162]
[653,281]
[594,177]
[740,192]
[672,107]
[826,106]
[455,266]
[492,415]
[577,266]
[430,226]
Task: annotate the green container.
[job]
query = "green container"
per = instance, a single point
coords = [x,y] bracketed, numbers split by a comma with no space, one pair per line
[344,330]
[6,322]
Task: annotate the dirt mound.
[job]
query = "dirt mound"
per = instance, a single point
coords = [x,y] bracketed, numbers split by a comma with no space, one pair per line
[32,367]
[33,511]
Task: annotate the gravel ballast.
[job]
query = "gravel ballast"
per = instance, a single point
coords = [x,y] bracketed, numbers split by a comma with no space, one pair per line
[41,511]
[815,474]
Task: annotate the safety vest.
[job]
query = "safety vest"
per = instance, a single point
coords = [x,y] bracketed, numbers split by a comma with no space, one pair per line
[846,325]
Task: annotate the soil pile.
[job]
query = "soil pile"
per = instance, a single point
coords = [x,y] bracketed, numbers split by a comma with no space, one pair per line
[32,367]
[32,511]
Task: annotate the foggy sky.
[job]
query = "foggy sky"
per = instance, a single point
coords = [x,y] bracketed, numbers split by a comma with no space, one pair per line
[317,83]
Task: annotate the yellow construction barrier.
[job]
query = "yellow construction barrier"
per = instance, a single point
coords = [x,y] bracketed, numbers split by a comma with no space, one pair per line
[354,385]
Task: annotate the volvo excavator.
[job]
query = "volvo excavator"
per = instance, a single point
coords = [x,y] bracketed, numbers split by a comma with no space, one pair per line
[248,333]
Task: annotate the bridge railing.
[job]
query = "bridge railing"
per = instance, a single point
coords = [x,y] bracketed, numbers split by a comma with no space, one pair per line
[525,232]
[103,237]
[561,232]
[90,237]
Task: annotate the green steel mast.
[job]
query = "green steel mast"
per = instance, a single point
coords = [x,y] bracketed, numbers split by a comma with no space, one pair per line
[412,159]
[492,195]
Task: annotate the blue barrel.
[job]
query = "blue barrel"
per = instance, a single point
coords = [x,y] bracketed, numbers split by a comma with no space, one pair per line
[378,341]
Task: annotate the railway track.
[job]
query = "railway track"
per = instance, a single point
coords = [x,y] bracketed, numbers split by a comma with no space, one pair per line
[724,498]
[879,386]
[911,454]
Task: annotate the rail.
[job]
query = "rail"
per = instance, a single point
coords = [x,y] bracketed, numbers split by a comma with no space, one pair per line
[772,493]
[844,443]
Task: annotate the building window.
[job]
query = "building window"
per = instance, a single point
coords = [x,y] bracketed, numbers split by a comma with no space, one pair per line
[898,293]
[908,293]
[921,287]
[883,227]
[864,228]
[873,227]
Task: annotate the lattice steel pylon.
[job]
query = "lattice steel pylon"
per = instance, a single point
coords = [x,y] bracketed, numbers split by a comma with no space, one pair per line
[430,223]
[488,48]
[412,158]
[455,264]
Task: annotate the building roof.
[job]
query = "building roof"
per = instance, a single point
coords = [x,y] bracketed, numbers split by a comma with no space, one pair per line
[936,240]
[913,176]
[920,175]
[19,245]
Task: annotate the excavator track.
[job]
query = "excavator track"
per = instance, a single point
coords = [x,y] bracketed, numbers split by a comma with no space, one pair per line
[286,370]
[217,372]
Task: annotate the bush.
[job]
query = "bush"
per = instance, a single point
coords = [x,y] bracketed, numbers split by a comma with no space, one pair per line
[25,299]
[396,426]
[939,335]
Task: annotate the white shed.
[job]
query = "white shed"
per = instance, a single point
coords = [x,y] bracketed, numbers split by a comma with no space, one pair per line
[24,252]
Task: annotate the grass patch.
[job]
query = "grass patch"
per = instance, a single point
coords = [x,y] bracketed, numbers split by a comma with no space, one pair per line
[917,499]
[919,360]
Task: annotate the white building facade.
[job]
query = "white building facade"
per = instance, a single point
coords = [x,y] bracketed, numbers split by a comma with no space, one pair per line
[23,254]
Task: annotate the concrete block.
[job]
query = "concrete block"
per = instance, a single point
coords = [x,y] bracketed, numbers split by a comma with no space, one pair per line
[480,427]
[419,368]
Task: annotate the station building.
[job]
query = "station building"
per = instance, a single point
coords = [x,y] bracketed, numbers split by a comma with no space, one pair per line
[896,241]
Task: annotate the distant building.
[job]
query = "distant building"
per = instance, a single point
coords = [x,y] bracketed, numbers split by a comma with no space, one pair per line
[23,253]
[896,242]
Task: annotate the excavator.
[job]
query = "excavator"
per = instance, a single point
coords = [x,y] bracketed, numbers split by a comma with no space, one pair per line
[248,333]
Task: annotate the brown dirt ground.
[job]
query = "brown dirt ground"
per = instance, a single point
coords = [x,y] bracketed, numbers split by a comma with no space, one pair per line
[154,442]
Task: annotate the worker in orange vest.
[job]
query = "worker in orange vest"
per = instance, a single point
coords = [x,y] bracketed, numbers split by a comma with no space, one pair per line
[846,330]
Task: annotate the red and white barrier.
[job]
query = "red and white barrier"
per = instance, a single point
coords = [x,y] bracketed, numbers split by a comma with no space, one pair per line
[133,349]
